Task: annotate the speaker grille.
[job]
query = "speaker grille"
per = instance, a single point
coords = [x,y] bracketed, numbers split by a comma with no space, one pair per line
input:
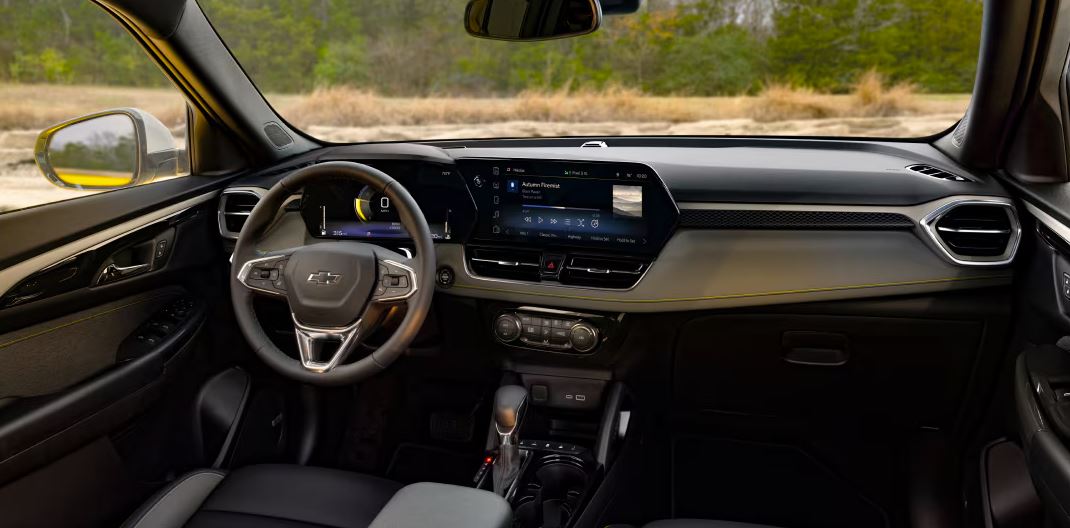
[277,135]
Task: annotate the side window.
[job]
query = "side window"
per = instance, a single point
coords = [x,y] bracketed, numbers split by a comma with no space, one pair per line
[83,108]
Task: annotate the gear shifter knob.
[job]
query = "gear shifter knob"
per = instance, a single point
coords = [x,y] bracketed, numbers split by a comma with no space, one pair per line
[509,404]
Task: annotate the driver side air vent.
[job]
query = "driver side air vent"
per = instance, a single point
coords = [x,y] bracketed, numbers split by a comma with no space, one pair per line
[977,233]
[602,272]
[234,209]
[514,264]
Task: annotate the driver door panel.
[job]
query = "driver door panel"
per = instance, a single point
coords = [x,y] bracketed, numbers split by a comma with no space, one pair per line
[88,354]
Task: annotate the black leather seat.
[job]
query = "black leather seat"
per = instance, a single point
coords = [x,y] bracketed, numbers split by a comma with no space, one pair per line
[267,496]
[699,523]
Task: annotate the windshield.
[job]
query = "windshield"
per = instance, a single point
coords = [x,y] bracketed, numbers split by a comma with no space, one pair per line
[388,70]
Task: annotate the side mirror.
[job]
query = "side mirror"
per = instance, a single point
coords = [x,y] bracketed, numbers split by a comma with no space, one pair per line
[108,150]
[531,19]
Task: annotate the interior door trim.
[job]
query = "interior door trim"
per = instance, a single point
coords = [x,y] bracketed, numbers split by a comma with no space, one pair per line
[14,274]
[1057,227]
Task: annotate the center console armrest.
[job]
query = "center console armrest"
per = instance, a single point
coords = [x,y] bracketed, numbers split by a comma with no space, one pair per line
[444,506]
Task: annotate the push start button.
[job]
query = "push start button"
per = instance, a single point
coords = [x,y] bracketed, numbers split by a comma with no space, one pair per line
[444,277]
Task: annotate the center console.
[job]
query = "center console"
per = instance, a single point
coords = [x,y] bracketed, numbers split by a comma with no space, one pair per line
[546,461]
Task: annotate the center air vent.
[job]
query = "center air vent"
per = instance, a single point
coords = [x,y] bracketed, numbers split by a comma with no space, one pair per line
[603,272]
[936,172]
[234,209]
[977,233]
[514,264]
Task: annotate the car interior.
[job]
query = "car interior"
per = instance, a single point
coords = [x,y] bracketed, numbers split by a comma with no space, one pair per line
[581,332]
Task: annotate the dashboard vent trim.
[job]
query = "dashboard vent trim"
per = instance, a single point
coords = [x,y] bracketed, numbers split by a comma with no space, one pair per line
[505,263]
[603,272]
[235,206]
[792,219]
[975,232]
[936,172]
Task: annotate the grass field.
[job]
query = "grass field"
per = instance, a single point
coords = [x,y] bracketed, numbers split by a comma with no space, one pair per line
[350,115]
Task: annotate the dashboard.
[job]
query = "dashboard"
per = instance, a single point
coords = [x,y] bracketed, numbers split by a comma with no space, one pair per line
[692,225]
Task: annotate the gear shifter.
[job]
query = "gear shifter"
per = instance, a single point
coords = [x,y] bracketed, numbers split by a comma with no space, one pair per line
[509,404]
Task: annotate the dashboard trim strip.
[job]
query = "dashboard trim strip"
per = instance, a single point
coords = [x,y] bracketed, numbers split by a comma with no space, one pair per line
[740,295]
[473,275]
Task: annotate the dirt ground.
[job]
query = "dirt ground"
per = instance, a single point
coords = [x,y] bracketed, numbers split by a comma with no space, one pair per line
[22,185]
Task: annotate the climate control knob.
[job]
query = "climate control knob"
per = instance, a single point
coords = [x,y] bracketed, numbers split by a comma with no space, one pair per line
[583,337]
[507,328]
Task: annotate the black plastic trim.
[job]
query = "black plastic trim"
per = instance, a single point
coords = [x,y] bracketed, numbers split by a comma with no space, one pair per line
[772,219]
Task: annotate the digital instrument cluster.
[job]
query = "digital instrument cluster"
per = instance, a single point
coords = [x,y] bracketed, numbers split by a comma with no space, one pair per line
[344,208]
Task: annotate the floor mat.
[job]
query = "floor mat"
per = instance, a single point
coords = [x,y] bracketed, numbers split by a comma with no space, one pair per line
[769,484]
[420,463]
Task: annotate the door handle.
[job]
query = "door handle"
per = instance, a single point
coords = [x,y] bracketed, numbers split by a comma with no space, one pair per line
[113,272]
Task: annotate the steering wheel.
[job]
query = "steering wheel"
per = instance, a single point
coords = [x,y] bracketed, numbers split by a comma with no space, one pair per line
[338,290]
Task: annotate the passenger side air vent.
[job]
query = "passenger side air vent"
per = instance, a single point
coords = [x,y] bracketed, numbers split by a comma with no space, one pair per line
[234,209]
[514,264]
[603,272]
[976,233]
[935,172]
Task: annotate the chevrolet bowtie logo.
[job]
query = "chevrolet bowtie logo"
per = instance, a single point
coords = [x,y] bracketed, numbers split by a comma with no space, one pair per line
[324,277]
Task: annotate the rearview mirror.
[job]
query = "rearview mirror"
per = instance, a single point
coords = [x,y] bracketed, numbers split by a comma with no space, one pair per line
[107,150]
[531,19]
[619,7]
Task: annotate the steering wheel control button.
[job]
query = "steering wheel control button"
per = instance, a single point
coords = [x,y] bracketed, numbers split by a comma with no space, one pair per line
[271,274]
[265,274]
[445,277]
[396,282]
[507,328]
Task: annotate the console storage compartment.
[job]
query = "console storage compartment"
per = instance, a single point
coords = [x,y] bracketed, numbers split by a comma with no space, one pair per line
[444,505]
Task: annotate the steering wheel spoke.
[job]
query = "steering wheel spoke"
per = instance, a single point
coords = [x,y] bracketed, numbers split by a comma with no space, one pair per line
[266,274]
[312,343]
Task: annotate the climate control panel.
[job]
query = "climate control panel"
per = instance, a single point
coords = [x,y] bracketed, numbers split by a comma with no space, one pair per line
[548,330]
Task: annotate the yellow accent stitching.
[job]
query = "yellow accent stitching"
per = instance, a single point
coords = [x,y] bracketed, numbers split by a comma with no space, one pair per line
[76,321]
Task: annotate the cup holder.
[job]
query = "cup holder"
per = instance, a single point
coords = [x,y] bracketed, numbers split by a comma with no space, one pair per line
[551,492]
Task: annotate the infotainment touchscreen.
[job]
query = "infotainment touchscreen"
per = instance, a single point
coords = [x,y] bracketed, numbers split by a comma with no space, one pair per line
[570,204]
